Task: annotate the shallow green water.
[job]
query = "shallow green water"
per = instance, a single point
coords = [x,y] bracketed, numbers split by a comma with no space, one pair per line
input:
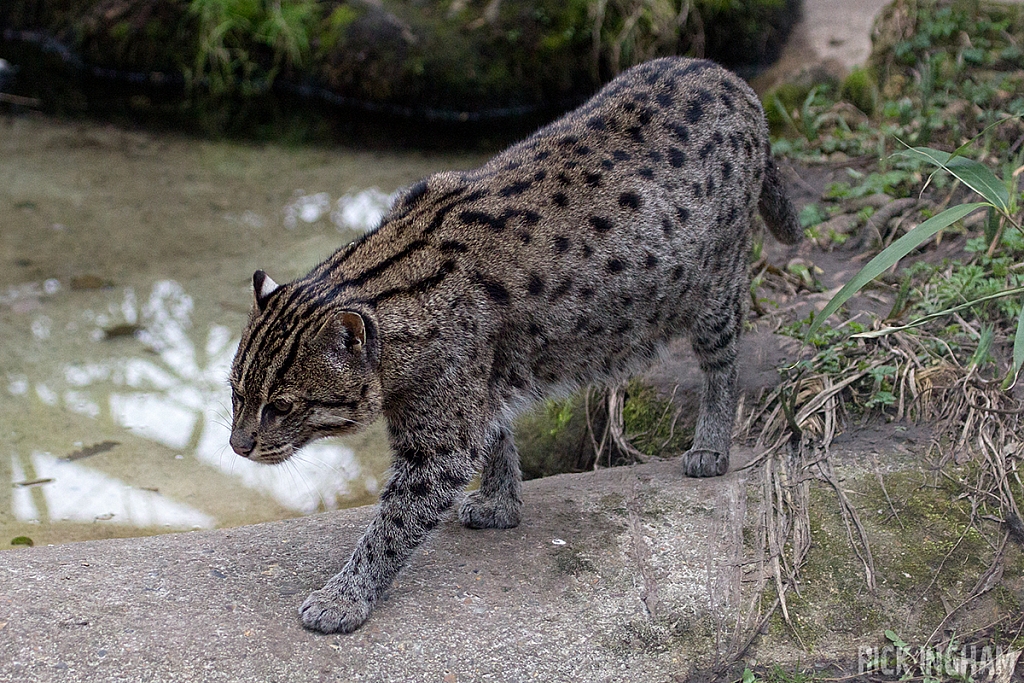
[125,263]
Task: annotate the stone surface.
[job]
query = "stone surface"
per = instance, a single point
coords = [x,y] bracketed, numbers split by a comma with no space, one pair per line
[624,574]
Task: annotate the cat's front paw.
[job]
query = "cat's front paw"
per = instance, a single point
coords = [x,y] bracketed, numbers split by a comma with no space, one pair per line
[334,610]
[701,462]
[481,512]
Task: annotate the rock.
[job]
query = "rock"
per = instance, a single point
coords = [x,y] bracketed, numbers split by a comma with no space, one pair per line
[623,574]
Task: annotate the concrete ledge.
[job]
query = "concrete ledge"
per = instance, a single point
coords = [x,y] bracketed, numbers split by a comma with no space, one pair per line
[646,582]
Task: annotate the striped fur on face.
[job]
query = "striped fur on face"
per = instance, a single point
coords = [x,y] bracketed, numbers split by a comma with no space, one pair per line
[303,371]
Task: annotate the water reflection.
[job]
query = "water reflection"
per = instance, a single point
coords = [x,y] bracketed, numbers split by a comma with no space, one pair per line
[76,493]
[171,391]
[359,211]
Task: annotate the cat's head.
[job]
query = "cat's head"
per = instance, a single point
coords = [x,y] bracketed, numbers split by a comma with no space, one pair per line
[304,370]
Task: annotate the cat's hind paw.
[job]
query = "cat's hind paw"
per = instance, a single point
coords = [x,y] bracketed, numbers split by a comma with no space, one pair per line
[333,611]
[701,462]
[481,512]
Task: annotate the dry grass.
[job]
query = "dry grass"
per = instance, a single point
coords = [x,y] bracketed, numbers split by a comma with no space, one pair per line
[793,426]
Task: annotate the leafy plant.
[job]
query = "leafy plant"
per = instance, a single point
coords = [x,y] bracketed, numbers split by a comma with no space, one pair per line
[1000,197]
[244,44]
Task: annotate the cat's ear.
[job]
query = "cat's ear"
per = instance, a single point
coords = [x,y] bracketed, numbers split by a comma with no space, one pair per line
[355,329]
[262,288]
[346,329]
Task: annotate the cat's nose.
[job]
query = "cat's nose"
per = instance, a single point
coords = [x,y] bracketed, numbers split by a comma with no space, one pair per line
[243,444]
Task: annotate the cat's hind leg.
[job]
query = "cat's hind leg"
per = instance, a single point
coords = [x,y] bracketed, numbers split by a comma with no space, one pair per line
[715,344]
[497,503]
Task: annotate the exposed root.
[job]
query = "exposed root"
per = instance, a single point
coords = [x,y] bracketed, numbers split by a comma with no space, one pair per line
[793,425]
[616,424]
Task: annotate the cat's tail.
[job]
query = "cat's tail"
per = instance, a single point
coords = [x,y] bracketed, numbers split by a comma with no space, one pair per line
[776,208]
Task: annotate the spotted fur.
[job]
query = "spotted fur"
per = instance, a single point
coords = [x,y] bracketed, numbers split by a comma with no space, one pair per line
[571,258]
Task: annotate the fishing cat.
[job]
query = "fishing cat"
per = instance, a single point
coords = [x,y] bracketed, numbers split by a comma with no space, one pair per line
[570,258]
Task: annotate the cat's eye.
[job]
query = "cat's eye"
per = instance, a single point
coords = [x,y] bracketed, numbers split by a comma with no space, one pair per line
[282,406]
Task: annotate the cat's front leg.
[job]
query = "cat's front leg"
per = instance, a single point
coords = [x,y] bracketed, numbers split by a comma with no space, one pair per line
[422,489]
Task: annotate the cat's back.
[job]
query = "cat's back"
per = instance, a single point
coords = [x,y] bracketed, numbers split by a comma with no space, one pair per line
[630,197]
[612,226]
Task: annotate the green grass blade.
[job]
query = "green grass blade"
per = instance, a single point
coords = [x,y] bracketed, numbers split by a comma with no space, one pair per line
[1018,346]
[962,149]
[893,253]
[872,334]
[971,173]
[982,180]
[985,339]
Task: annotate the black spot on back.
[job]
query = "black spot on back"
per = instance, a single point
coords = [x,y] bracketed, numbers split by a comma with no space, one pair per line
[615,265]
[651,262]
[561,290]
[484,219]
[706,149]
[535,286]
[621,155]
[541,155]
[495,291]
[516,188]
[646,172]
[592,179]
[560,199]
[453,247]
[695,109]
[727,170]
[561,244]
[629,200]
[596,123]
[600,223]
[676,157]
[679,130]
[529,217]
